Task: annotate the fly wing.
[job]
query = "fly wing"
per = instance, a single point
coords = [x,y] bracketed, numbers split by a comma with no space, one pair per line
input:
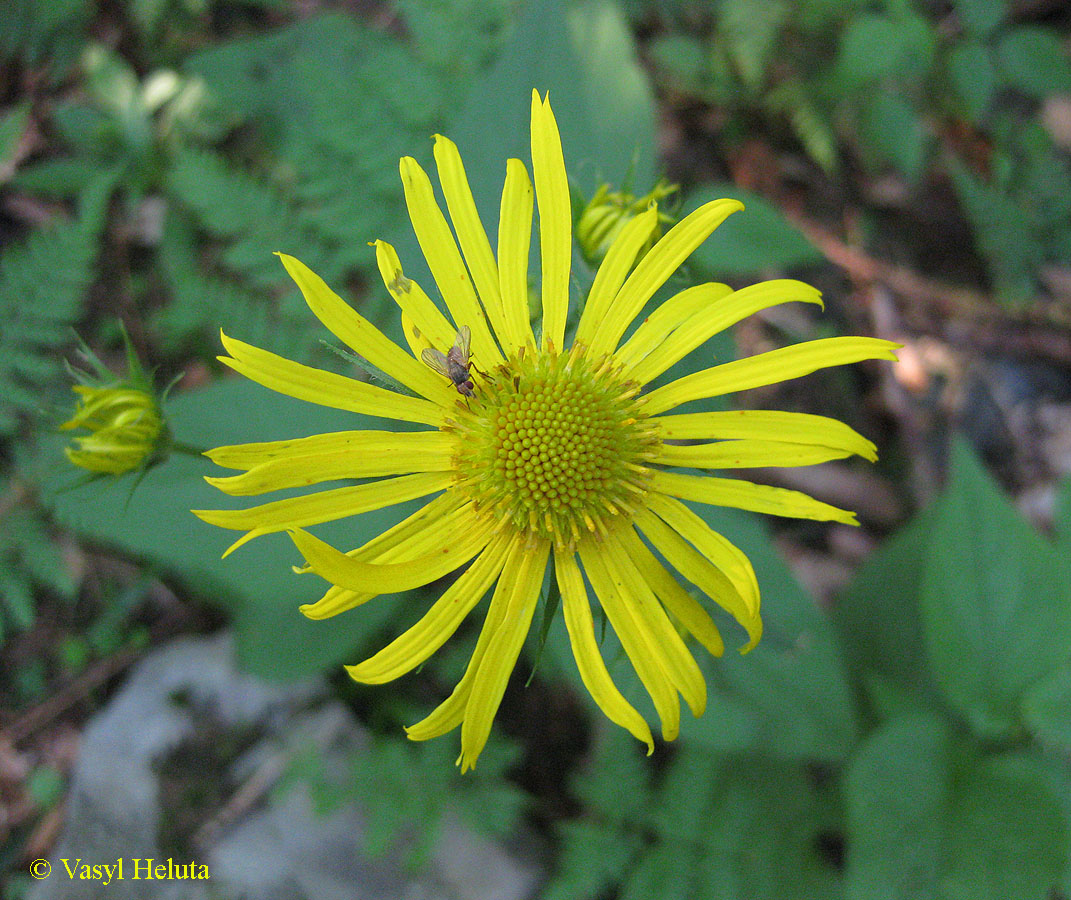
[436,359]
[461,344]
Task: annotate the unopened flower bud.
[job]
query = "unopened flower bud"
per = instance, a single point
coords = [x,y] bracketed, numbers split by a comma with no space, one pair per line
[124,426]
[609,211]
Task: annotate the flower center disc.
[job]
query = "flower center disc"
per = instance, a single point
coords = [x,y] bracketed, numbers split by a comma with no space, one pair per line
[554,446]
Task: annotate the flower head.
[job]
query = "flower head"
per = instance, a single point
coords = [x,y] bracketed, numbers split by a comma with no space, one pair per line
[552,448]
[122,416]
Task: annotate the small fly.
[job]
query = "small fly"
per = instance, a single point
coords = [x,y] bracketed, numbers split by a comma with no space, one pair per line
[454,364]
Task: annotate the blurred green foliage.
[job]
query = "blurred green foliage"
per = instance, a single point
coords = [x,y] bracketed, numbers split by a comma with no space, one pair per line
[915,743]
[930,94]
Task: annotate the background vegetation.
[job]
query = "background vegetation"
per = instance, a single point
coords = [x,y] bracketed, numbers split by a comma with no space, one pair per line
[904,730]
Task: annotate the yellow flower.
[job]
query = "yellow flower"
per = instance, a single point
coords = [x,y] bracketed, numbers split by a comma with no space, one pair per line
[124,427]
[557,450]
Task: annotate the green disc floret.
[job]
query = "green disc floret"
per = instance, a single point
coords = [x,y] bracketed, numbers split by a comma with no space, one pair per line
[554,445]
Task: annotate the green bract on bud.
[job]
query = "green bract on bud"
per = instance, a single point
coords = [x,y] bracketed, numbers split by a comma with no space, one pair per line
[608,212]
[124,427]
[122,415]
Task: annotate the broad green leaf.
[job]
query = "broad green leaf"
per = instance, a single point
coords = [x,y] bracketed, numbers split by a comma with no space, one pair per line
[973,76]
[893,131]
[877,619]
[980,17]
[1062,521]
[582,52]
[1007,834]
[928,818]
[1033,60]
[152,521]
[996,605]
[897,794]
[874,47]
[1047,708]
[757,239]
[680,58]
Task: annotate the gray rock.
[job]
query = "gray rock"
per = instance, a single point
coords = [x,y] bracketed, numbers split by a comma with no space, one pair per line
[277,847]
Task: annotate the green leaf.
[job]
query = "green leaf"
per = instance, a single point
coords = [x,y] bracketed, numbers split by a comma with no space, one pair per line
[893,131]
[57,178]
[874,47]
[980,17]
[877,618]
[592,858]
[152,521]
[897,785]
[1062,518]
[679,58]
[664,871]
[12,126]
[755,240]
[1033,60]
[973,76]
[929,819]
[582,52]
[789,696]
[996,602]
[1007,834]
[43,281]
[750,30]
[760,836]
[1047,708]
[1004,233]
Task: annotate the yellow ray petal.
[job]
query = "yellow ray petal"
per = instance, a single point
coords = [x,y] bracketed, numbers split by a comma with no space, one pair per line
[746,454]
[329,457]
[655,269]
[764,424]
[326,388]
[672,654]
[514,240]
[362,336]
[416,340]
[411,299]
[389,578]
[716,318]
[761,498]
[444,260]
[716,548]
[666,320]
[555,220]
[407,540]
[323,506]
[772,367]
[470,231]
[613,270]
[412,647]
[736,595]
[451,712]
[589,661]
[636,640]
[689,611]
[489,683]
